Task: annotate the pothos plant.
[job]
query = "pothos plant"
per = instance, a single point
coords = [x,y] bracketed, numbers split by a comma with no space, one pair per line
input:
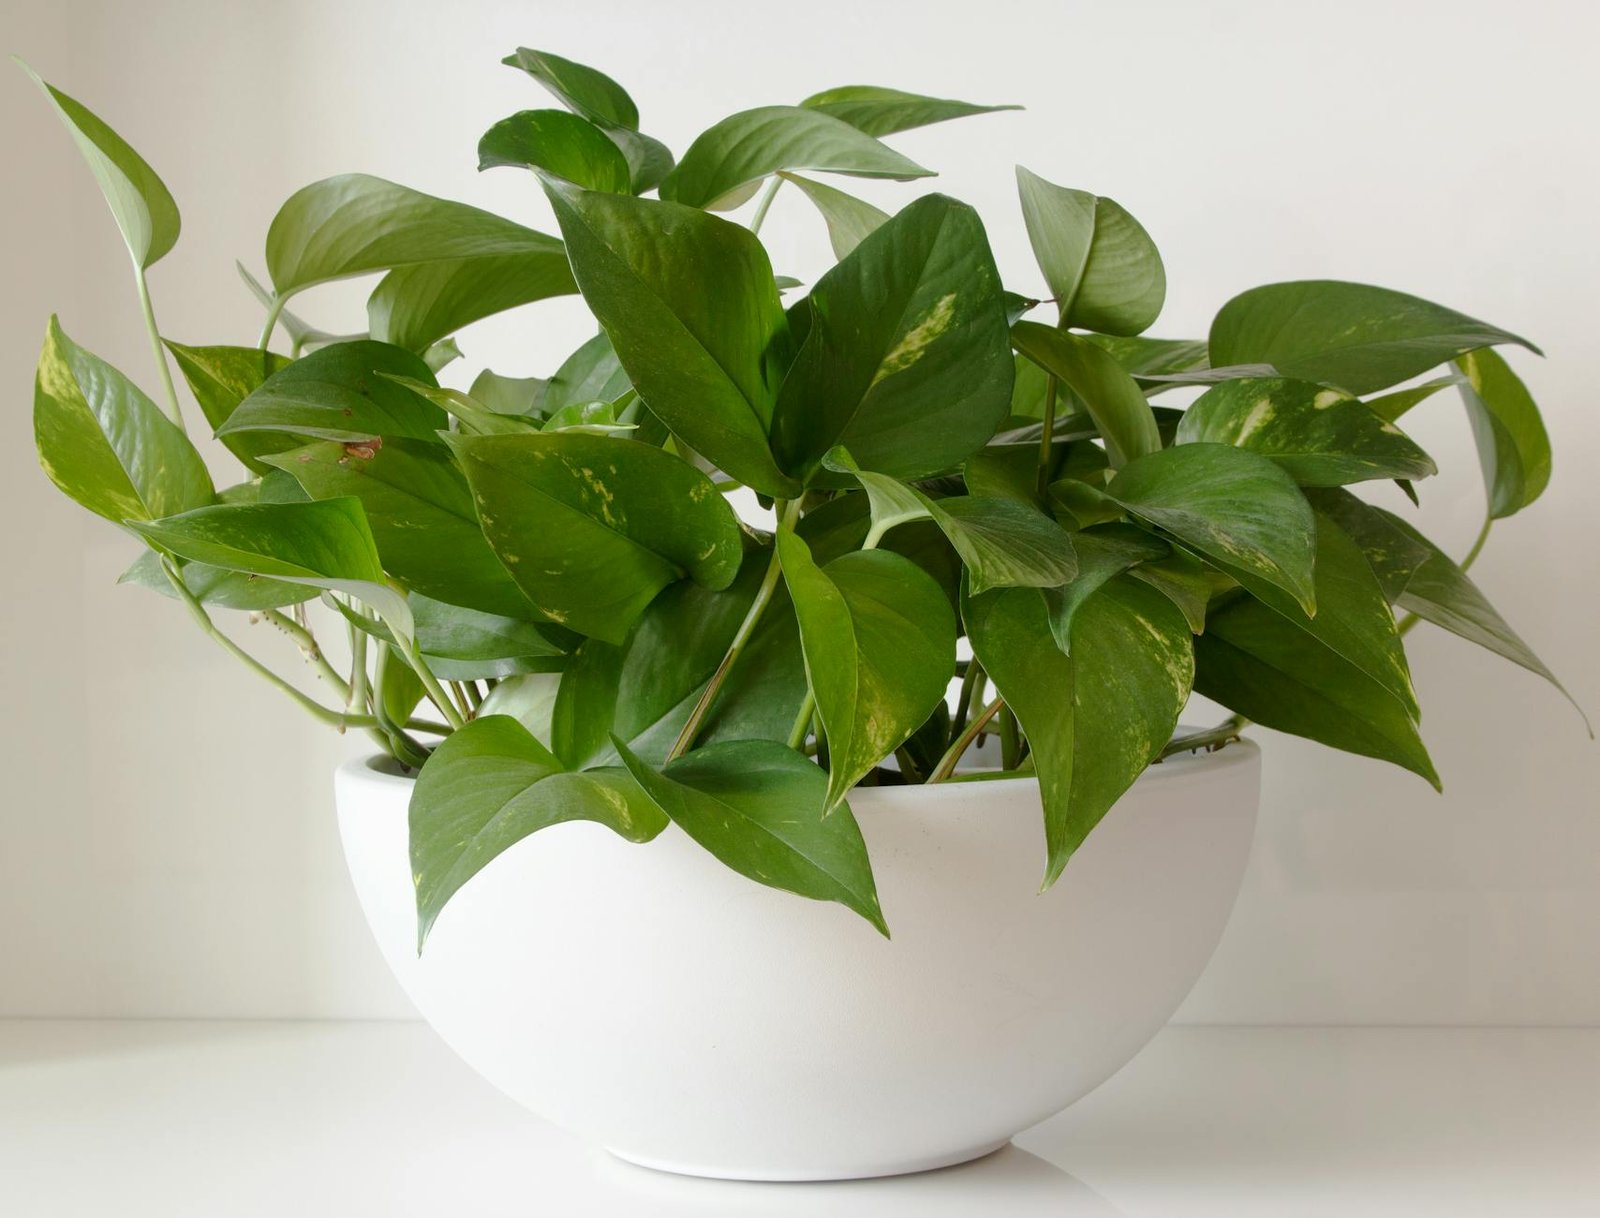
[554,613]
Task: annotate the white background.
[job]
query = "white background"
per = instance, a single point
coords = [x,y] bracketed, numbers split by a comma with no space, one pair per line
[166,842]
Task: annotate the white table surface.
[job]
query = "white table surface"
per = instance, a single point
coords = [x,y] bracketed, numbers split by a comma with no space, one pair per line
[302,1120]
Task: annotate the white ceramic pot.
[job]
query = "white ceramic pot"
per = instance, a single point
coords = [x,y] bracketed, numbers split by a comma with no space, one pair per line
[649,999]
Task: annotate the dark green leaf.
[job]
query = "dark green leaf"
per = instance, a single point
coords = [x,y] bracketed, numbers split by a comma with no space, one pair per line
[745,147]
[1147,358]
[463,644]
[690,305]
[141,204]
[343,393]
[1513,446]
[1321,436]
[560,143]
[880,111]
[592,528]
[1357,337]
[222,377]
[1238,509]
[879,641]
[1103,553]
[1188,583]
[907,362]
[105,444]
[1102,267]
[491,784]
[581,89]
[1112,398]
[753,804]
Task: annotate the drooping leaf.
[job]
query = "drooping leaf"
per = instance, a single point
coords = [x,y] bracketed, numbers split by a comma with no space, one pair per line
[690,306]
[1352,335]
[105,444]
[560,143]
[879,111]
[744,148]
[1103,552]
[416,306]
[491,784]
[907,362]
[591,528]
[1321,436]
[1096,718]
[215,586]
[1238,509]
[222,377]
[323,544]
[1102,268]
[1110,395]
[462,644]
[879,642]
[140,203]
[583,90]
[1262,666]
[343,393]
[754,805]
[422,518]
[1513,447]
[849,219]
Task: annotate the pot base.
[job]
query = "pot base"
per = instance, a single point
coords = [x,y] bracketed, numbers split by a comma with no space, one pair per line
[901,1167]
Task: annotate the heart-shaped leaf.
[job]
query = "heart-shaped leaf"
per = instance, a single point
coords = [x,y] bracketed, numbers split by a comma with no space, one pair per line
[1237,508]
[1513,446]
[690,305]
[591,528]
[880,111]
[583,90]
[344,393]
[849,219]
[491,784]
[141,204]
[1321,436]
[1352,335]
[1110,395]
[744,148]
[1097,717]
[753,804]
[222,377]
[422,518]
[560,143]
[105,444]
[1102,268]
[879,642]
[907,362]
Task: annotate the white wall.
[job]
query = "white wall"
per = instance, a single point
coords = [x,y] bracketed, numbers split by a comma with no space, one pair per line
[166,843]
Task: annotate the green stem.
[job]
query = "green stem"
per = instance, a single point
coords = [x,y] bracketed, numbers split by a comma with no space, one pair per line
[765,204]
[358,668]
[969,681]
[769,585]
[203,620]
[309,647]
[1046,436]
[430,684]
[271,324]
[1210,738]
[160,352]
[802,721]
[952,755]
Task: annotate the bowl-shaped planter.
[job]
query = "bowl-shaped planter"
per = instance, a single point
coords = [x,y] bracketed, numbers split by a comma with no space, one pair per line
[664,1007]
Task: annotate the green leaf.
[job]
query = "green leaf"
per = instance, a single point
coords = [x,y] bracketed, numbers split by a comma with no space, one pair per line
[462,644]
[690,305]
[105,444]
[1110,395]
[583,90]
[472,416]
[753,804]
[1095,719]
[416,306]
[1188,583]
[849,219]
[345,393]
[745,147]
[1103,552]
[592,373]
[1357,337]
[879,111]
[1321,436]
[140,202]
[491,784]
[354,224]
[1238,509]
[513,395]
[1259,664]
[907,362]
[591,528]
[1513,447]
[302,335]
[324,544]
[879,642]
[557,142]
[1102,268]
[1392,406]
[1149,358]
[222,377]
[422,518]
[214,586]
